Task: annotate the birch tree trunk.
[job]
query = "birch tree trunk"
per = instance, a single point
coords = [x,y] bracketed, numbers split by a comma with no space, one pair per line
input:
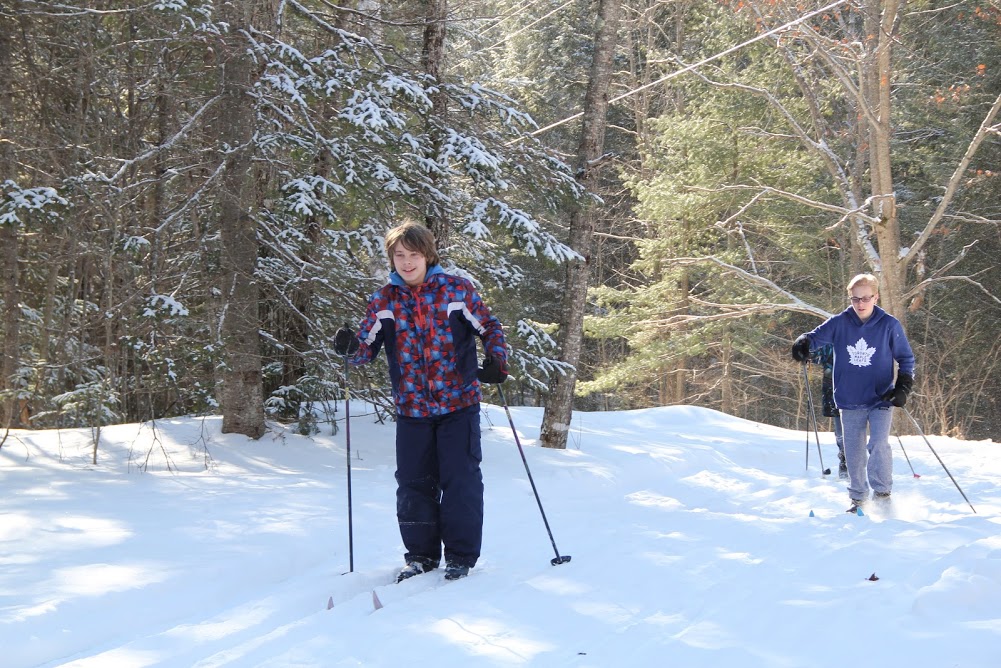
[240,392]
[559,401]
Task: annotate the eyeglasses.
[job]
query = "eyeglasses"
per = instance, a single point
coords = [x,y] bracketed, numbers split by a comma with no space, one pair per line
[863,300]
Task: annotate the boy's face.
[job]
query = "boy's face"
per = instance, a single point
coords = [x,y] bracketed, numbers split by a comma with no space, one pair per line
[864,299]
[410,265]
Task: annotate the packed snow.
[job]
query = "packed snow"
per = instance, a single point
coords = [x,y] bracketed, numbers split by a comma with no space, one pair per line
[696,539]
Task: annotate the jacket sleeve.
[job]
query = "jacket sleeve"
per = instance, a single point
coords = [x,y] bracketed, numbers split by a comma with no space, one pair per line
[490,330]
[823,335]
[901,348]
[370,334]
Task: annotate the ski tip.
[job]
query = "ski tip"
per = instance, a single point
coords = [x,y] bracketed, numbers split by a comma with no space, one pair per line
[330,603]
[376,603]
[858,511]
[827,471]
[811,514]
[917,475]
[873,578]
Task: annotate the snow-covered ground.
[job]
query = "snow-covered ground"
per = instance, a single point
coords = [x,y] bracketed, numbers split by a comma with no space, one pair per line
[690,532]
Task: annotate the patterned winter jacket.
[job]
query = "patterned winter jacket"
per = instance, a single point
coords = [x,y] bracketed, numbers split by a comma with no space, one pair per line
[825,357]
[428,333]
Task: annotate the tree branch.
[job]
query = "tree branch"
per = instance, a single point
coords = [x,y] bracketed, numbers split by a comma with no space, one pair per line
[965,279]
[126,164]
[953,185]
[938,277]
[829,158]
[823,206]
[794,302]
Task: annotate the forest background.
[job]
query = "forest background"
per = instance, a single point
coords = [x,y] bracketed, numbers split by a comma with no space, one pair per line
[654,197]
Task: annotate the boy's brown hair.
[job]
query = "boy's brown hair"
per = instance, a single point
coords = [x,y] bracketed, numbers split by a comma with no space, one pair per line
[414,237]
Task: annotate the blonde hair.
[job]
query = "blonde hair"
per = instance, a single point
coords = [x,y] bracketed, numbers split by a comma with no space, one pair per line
[864,279]
[414,237]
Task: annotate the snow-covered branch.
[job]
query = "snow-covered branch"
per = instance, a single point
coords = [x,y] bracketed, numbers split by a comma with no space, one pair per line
[160,148]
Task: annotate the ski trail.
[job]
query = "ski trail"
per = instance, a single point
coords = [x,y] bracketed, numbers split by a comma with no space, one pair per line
[247,631]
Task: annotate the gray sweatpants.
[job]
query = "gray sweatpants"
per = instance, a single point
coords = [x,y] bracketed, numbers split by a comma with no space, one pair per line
[870,465]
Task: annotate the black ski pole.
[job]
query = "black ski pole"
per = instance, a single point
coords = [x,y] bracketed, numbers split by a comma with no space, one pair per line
[939,459]
[559,559]
[807,432]
[906,457]
[347,441]
[816,431]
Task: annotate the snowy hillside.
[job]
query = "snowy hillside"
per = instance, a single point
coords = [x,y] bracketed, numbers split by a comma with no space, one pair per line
[690,534]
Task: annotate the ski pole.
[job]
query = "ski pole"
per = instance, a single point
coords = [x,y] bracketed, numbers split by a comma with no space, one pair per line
[906,457]
[807,430]
[816,431]
[347,440]
[559,559]
[939,459]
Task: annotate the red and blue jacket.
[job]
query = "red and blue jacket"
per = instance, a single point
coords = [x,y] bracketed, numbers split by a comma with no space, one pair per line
[428,332]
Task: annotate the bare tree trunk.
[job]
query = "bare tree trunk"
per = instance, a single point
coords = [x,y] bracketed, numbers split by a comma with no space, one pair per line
[559,402]
[726,380]
[881,23]
[9,413]
[241,395]
[433,60]
[9,237]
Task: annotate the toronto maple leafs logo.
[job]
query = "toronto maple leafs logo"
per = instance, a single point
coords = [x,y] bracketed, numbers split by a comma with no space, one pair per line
[860,354]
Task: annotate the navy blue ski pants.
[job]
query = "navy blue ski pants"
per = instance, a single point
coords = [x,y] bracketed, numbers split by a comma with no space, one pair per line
[439,494]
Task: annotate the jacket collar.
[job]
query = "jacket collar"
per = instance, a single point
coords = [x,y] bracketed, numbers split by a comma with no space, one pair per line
[396,279]
[877,314]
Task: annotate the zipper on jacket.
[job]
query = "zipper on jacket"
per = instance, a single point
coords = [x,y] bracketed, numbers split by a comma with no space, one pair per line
[422,323]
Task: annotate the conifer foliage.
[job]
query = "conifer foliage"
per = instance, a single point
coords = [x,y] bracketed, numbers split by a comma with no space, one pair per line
[193,196]
[221,179]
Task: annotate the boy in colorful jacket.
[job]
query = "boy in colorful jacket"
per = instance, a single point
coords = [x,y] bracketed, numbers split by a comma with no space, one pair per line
[428,322]
[867,341]
[824,357]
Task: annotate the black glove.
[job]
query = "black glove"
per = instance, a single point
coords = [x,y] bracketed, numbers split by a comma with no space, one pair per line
[345,341]
[492,371]
[801,348]
[897,395]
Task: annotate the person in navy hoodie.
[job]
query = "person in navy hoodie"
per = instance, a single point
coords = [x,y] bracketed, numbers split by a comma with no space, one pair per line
[428,322]
[866,341]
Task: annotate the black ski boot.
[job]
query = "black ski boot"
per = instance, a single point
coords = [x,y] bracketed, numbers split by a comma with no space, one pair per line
[413,568]
[455,571]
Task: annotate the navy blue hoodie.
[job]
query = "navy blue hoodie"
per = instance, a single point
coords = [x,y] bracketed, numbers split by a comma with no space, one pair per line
[863,356]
